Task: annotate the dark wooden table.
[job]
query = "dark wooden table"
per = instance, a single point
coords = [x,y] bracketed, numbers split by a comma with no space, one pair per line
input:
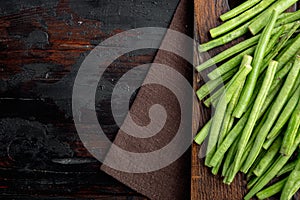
[42,44]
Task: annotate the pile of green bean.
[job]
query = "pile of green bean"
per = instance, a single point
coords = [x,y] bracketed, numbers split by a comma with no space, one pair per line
[256,96]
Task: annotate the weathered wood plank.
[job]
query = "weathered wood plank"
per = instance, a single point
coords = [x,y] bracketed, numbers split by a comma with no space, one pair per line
[42,44]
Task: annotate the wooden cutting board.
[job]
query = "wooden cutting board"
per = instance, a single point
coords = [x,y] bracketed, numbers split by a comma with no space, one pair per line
[204,185]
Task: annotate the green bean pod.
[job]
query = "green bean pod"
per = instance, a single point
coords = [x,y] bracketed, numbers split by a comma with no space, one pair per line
[290,134]
[289,53]
[285,114]
[257,61]
[266,160]
[245,16]
[290,17]
[253,117]
[228,53]
[229,157]
[230,64]
[262,20]
[287,168]
[272,171]
[211,85]
[272,190]
[217,120]
[292,184]
[275,111]
[234,49]
[238,10]
[200,137]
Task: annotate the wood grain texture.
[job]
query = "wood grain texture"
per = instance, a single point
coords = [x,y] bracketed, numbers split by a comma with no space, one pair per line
[42,44]
[204,185]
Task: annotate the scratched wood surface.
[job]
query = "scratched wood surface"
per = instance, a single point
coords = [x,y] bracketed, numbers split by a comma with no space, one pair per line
[42,44]
[204,185]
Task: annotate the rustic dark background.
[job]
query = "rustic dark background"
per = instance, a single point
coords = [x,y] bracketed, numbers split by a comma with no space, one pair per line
[42,44]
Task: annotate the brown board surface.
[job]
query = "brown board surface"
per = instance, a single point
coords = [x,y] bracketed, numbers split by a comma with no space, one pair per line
[204,185]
